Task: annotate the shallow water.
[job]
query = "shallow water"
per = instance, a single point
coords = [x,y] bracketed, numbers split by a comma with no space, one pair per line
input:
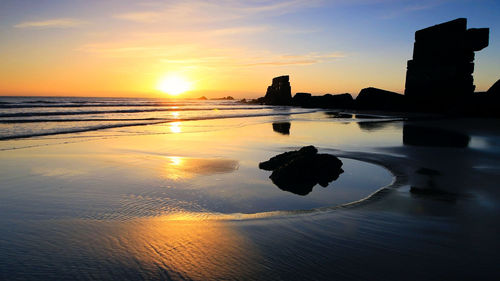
[186,201]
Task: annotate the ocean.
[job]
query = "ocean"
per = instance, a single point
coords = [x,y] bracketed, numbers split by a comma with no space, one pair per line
[22,117]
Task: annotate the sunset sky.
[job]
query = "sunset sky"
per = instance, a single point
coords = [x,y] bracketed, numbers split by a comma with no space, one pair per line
[127,48]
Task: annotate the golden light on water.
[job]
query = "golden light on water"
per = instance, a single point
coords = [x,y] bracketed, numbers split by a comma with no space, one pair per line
[174,85]
[175,127]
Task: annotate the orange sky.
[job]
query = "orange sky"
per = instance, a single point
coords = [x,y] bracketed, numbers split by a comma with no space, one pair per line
[125,48]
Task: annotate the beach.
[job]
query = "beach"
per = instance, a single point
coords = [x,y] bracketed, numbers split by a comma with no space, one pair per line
[185,200]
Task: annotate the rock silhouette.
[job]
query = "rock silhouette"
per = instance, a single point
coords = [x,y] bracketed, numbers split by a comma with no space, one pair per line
[373,98]
[326,101]
[494,90]
[299,171]
[282,128]
[440,73]
[280,92]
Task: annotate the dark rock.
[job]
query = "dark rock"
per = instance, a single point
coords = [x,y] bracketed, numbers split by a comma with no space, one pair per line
[282,128]
[280,92]
[439,77]
[494,90]
[341,101]
[424,136]
[371,126]
[224,98]
[373,98]
[202,98]
[299,171]
[283,158]
[301,99]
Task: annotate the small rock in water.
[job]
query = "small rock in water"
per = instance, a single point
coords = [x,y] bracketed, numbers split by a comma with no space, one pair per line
[299,171]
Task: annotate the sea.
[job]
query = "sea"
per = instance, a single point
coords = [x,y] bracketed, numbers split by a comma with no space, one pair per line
[24,117]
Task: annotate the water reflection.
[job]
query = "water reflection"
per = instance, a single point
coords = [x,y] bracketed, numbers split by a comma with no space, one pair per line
[175,114]
[175,127]
[371,126]
[426,136]
[194,250]
[282,128]
[185,168]
[335,114]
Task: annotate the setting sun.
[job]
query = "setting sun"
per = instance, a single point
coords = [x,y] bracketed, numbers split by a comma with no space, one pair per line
[174,85]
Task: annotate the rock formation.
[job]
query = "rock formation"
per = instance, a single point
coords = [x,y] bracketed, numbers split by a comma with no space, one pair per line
[440,73]
[494,90]
[280,92]
[373,98]
[341,101]
[299,171]
[282,128]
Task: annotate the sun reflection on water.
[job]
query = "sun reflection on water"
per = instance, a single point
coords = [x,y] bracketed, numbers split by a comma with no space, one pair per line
[175,127]
[194,250]
[177,167]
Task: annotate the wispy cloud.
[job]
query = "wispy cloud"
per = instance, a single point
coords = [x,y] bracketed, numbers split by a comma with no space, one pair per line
[51,23]
[214,11]
[300,59]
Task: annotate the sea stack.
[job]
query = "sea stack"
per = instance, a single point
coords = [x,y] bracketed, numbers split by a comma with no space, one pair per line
[440,73]
[280,92]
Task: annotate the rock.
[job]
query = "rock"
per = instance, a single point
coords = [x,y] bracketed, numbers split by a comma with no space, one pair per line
[224,98]
[299,171]
[424,136]
[341,101]
[494,91]
[283,158]
[202,98]
[439,76]
[280,92]
[373,98]
[282,128]
[301,99]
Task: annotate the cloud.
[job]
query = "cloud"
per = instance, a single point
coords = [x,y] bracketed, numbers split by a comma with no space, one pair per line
[302,59]
[215,11]
[51,23]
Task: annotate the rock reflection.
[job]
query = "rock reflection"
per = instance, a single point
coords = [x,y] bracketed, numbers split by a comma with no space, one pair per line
[185,168]
[425,136]
[282,128]
[371,126]
[335,114]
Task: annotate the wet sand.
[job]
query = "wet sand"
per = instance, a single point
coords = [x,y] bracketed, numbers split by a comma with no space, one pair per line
[113,205]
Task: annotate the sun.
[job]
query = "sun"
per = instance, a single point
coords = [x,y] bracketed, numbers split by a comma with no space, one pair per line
[174,85]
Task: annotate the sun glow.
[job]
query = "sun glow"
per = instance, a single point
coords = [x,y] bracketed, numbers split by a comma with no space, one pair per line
[174,85]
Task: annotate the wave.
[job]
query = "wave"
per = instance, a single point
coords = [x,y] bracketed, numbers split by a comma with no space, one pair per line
[56,113]
[75,104]
[146,122]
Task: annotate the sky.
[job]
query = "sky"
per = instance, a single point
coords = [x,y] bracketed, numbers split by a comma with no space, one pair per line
[226,47]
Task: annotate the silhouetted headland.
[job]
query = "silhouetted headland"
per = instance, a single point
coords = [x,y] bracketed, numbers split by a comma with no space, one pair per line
[438,79]
[300,170]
